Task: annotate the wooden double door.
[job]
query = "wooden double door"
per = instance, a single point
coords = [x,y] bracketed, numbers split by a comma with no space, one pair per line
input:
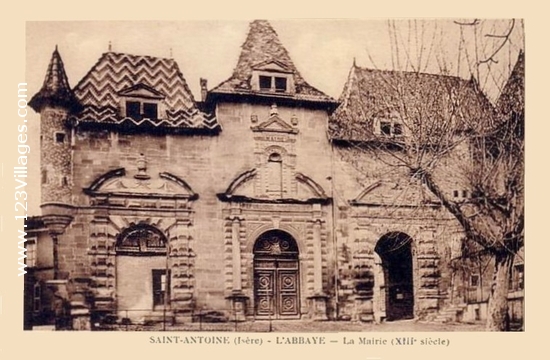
[276,276]
[276,290]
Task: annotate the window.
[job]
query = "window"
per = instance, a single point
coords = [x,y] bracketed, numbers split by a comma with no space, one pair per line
[385,128]
[31,252]
[397,129]
[133,109]
[150,111]
[44,176]
[474,280]
[391,128]
[161,286]
[273,83]
[60,137]
[460,194]
[37,298]
[516,281]
[141,238]
[280,84]
[265,82]
[275,175]
[138,110]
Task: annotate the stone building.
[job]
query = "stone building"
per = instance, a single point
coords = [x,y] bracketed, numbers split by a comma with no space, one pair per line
[251,203]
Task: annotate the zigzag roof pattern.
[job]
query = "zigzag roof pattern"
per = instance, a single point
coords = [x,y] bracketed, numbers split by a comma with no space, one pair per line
[263,46]
[99,92]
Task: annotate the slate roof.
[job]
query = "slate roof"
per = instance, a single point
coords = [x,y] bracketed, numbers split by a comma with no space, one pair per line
[262,46]
[510,106]
[55,90]
[419,97]
[101,89]
[512,97]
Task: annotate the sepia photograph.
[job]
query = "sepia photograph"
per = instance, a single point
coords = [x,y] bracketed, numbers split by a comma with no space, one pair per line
[289,176]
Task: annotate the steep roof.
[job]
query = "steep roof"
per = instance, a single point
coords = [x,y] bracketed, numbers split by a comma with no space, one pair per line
[510,107]
[116,75]
[55,90]
[262,46]
[418,98]
[512,97]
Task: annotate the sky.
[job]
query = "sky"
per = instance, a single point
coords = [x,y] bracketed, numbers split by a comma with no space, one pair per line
[323,50]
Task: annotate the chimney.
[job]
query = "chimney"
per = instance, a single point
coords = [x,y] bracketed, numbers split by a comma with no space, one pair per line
[204,88]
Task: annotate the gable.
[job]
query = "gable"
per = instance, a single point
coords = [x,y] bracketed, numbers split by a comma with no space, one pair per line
[394,194]
[275,124]
[274,66]
[142,91]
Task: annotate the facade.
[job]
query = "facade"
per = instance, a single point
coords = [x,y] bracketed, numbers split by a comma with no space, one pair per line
[245,205]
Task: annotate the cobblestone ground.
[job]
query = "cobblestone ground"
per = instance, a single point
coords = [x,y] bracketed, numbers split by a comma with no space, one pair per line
[315,326]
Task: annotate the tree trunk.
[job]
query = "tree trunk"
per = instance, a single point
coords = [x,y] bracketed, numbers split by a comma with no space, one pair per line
[497,313]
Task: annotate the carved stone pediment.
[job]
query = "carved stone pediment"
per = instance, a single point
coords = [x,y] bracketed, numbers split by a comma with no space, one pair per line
[240,190]
[394,194]
[116,188]
[275,124]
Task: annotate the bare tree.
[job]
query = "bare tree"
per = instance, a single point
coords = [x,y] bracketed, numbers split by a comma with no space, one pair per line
[440,130]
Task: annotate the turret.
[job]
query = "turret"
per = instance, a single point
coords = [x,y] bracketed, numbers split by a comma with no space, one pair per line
[55,102]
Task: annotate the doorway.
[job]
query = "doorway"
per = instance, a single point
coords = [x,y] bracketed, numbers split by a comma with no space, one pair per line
[276,276]
[395,251]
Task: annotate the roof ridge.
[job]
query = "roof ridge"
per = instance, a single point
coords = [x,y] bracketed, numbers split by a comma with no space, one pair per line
[139,55]
[421,73]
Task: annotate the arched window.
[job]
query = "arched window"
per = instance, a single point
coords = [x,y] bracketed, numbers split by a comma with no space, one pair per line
[275,175]
[141,239]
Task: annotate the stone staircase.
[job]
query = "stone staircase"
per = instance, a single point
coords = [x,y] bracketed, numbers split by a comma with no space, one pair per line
[452,313]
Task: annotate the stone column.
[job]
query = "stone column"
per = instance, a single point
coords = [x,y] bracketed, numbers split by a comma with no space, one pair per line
[317,259]
[237,298]
[236,254]
[379,295]
[318,301]
[181,265]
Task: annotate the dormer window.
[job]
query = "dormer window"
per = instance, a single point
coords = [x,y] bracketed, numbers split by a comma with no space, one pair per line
[273,83]
[141,102]
[391,126]
[138,110]
[272,76]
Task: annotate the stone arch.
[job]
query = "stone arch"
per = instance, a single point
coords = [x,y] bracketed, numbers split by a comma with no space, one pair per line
[254,235]
[141,238]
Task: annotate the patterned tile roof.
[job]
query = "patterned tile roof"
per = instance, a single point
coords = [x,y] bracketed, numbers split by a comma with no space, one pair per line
[423,99]
[115,75]
[263,46]
[55,90]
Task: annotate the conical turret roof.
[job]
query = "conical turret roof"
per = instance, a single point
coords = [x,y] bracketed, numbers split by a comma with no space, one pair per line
[55,90]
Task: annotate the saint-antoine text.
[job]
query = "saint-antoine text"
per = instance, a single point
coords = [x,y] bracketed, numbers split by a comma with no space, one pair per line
[20,173]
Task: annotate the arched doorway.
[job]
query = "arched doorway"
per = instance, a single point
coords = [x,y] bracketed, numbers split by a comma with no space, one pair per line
[276,276]
[395,251]
[143,280]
